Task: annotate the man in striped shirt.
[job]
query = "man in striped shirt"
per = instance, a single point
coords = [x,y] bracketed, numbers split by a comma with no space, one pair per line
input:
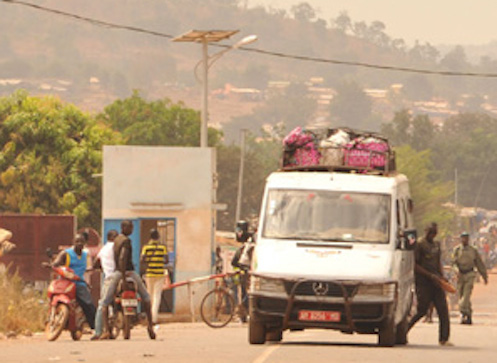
[154,257]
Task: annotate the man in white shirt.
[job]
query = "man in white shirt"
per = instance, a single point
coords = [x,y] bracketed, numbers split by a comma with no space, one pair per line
[105,259]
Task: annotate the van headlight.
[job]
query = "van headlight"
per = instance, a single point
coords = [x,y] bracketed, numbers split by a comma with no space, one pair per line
[261,284]
[386,290]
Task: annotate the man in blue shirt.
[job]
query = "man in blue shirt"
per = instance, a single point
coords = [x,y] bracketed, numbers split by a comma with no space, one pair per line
[76,259]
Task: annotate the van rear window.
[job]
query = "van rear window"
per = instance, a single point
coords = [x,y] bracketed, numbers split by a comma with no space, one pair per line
[326,216]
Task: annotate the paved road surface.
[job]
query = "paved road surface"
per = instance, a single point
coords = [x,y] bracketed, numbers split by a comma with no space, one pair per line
[196,342]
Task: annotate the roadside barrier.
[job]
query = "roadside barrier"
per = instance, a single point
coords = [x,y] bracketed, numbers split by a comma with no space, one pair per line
[190,283]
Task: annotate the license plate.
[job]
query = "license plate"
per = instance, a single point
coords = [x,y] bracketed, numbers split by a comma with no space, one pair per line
[129,303]
[316,315]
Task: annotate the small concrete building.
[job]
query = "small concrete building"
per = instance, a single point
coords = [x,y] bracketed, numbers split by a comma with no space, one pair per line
[172,189]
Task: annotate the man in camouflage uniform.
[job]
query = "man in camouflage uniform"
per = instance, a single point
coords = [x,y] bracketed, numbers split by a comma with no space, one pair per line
[465,258]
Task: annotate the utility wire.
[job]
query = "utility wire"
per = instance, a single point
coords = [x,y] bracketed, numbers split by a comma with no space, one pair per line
[256,50]
[88,20]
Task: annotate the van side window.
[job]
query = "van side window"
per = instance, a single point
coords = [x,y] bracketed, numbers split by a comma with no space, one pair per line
[410,211]
[399,222]
[404,213]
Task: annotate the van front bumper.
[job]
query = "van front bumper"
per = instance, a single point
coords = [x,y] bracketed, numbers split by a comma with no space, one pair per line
[356,306]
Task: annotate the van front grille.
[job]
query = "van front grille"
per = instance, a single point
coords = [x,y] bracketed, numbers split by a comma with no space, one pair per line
[320,288]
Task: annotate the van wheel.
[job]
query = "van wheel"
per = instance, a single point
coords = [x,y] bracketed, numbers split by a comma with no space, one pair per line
[274,336]
[386,335]
[257,332]
[401,334]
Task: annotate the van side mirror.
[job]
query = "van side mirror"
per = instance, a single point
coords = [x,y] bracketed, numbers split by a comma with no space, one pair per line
[408,239]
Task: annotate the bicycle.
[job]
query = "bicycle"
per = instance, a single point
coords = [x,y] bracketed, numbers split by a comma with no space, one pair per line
[219,305]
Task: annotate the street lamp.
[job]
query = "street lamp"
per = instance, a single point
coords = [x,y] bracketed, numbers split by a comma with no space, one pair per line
[205,37]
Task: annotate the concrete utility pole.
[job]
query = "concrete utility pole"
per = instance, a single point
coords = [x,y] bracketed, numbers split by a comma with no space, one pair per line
[240,175]
[205,95]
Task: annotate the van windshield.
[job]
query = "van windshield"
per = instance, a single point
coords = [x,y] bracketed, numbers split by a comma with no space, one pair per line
[326,216]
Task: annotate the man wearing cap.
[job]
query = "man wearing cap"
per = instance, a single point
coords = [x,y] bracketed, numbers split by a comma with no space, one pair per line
[465,259]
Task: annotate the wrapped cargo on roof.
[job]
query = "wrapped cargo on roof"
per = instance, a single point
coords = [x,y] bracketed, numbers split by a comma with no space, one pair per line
[338,149]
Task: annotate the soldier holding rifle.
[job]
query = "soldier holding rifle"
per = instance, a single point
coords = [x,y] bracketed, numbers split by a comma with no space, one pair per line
[429,282]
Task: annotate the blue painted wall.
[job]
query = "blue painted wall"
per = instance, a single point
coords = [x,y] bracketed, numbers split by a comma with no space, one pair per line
[135,237]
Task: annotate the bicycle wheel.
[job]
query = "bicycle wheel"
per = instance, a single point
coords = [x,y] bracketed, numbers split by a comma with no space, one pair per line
[217,308]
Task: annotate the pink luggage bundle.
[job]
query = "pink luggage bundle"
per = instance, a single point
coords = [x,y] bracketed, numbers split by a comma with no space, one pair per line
[300,148]
[337,148]
[366,152]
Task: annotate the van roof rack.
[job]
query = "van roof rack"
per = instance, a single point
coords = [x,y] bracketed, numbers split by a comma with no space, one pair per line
[339,169]
[339,150]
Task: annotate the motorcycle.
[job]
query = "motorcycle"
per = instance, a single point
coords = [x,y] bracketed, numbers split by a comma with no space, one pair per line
[64,312]
[124,313]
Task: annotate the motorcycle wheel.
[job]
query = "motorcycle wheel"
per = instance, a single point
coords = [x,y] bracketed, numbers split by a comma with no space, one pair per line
[76,334]
[116,324]
[127,326]
[57,322]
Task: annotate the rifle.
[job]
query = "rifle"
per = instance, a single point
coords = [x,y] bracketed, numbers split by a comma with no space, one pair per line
[443,283]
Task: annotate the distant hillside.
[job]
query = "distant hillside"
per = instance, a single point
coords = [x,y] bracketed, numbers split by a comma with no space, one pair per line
[42,48]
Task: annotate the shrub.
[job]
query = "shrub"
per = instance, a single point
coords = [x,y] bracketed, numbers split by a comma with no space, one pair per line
[22,309]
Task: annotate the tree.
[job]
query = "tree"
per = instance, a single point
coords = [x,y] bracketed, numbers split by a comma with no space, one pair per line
[160,122]
[469,144]
[50,152]
[350,107]
[423,53]
[360,29]
[423,132]
[343,22]
[428,193]
[377,34]
[303,12]
[418,132]
[262,156]
[455,60]
[397,131]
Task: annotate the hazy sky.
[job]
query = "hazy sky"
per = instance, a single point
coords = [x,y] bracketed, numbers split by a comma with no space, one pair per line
[436,21]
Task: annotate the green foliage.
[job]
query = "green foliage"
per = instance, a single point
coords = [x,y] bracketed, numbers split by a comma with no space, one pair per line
[303,12]
[50,151]
[466,143]
[160,122]
[33,46]
[417,131]
[428,193]
[262,157]
[469,144]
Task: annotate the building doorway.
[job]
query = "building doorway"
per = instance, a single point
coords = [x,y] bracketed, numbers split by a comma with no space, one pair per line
[167,236]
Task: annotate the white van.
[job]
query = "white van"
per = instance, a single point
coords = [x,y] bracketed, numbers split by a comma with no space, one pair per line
[334,251]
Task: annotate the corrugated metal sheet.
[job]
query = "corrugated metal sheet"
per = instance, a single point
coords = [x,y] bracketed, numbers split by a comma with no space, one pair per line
[33,234]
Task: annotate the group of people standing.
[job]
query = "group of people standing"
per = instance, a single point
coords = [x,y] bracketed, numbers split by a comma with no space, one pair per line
[466,261]
[115,260]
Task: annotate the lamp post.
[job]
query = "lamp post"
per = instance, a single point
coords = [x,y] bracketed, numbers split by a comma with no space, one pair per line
[206,37]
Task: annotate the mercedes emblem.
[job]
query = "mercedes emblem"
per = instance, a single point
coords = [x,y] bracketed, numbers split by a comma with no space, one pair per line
[320,288]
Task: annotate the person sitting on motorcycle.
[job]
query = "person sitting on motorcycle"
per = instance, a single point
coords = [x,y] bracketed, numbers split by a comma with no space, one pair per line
[77,259]
[124,264]
[105,260]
